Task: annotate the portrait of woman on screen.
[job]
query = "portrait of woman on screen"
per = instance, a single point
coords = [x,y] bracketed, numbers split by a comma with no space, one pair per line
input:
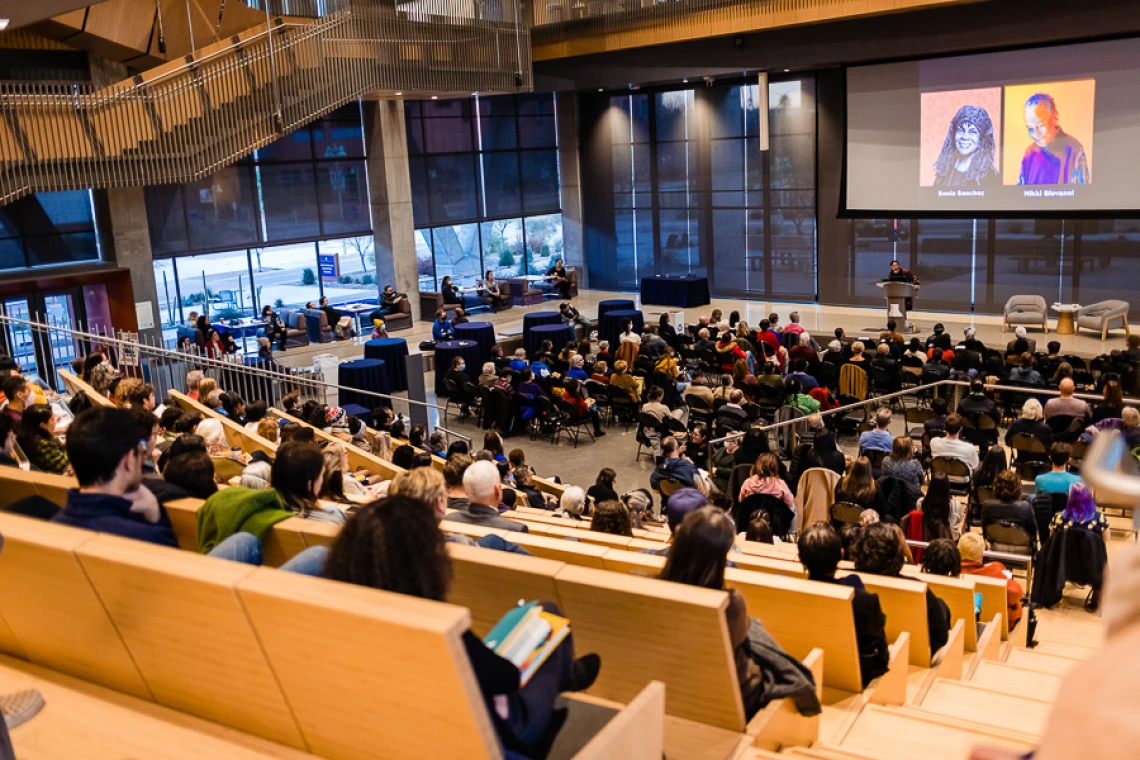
[967,157]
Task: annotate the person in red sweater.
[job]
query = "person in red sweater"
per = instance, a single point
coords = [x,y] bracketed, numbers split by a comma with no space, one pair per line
[728,351]
[572,394]
[804,350]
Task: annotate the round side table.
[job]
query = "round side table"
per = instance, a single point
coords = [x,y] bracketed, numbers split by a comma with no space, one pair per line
[1065,314]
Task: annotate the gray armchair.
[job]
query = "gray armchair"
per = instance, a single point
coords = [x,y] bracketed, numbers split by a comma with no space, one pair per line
[1025,310]
[1101,316]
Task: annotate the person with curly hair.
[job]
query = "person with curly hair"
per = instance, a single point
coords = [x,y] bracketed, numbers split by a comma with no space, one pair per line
[967,156]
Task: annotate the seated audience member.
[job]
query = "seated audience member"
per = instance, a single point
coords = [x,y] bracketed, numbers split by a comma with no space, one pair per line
[667,364]
[657,409]
[825,453]
[759,530]
[622,378]
[628,335]
[483,490]
[612,517]
[971,549]
[724,389]
[820,550]
[797,398]
[935,368]
[879,438]
[722,460]
[800,375]
[442,329]
[697,447]
[8,442]
[914,350]
[639,502]
[519,363]
[1008,505]
[675,466]
[698,557]
[794,325]
[1113,404]
[603,488]
[111,498]
[396,545]
[1021,344]
[577,369]
[193,473]
[881,550]
[18,393]
[731,416]
[1132,353]
[942,558]
[461,316]
[1058,479]
[835,353]
[885,361]
[1029,423]
[453,471]
[1065,404]
[524,483]
[257,476]
[891,334]
[952,445]
[1080,513]
[298,474]
[233,406]
[572,394]
[194,379]
[255,412]
[937,423]
[36,437]
[765,479]
[901,464]
[804,350]
[604,354]
[728,351]
[600,373]
[457,373]
[978,403]
[857,349]
[573,505]
[527,385]
[1025,373]
[858,487]
[939,338]
[932,518]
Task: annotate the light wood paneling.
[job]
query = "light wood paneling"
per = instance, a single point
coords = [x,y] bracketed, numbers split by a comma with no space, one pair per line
[391,652]
[51,609]
[186,631]
[976,703]
[489,583]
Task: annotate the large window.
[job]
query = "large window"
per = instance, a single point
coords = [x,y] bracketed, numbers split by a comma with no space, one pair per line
[48,228]
[694,193]
[484,176]
[310,184]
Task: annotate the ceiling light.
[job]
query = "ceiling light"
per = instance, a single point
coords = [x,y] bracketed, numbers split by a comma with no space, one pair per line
[399,93]
[600,90]
[786,70]
[3,24]
[685,80]
[435,97]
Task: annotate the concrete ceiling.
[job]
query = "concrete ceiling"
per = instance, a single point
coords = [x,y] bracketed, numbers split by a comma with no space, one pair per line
[24,12]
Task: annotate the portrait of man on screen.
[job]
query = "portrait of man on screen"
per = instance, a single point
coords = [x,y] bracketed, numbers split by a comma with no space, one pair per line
[1054,158]
[967,156]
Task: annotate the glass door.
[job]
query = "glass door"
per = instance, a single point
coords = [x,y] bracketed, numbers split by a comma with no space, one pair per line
[59,311]
[20,346]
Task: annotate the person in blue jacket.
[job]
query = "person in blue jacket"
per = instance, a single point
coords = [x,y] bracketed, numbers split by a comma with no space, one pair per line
[441,329]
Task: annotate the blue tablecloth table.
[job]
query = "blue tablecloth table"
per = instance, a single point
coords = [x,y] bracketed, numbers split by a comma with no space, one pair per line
[363,375]
[684,291]
[394,352]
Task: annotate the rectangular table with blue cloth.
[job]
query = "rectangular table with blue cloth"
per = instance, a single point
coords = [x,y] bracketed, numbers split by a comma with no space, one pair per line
[363,375]
[684,291]
[394,352]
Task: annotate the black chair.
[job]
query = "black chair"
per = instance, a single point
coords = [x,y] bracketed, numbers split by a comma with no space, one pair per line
[876,457]
[1007,536]
[568,420]
[826,374]
[545,419]
[1031,452]
[700,410]
[1066,428]
[956,471]
[484,395]
[648,424]
[1045,505]
[622,406]
[600,392]
[979,429]
[454,397]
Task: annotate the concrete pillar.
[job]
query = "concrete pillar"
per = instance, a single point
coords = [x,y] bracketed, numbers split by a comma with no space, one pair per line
[390,190]
[573,252]
[131,236]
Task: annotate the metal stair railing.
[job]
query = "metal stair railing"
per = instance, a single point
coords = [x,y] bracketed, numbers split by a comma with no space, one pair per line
[182,121]
[166,369]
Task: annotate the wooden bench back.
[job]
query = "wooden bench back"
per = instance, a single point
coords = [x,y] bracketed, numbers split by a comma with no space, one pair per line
[73,385]
[904,603]
[236,435]
[958,593]
[358,459]
[802,615]
[638,625]
[491,582]
[247,647]
[16,484]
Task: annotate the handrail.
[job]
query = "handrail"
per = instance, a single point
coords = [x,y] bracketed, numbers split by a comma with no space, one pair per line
[191,118]
[919,389]
[219,364]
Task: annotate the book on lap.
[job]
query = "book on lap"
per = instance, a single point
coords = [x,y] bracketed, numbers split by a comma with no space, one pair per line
[526,636]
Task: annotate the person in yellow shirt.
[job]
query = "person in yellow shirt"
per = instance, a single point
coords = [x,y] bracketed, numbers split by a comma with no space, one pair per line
[8,366]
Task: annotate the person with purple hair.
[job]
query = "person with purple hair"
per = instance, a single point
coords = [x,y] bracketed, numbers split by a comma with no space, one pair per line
[1080,512]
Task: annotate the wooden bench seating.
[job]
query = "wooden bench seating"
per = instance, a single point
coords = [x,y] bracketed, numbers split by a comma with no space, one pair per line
[236,435]
[251,649]
[980,704]
[73,385]
[358,459]
[916,733]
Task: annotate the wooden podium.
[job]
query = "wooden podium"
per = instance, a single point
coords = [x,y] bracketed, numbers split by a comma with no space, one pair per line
[897,294]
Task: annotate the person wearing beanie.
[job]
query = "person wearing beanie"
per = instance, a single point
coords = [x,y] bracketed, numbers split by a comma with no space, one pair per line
[972,547]
[336,421]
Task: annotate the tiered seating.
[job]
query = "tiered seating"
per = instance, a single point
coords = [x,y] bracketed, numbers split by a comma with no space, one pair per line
[249,649]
